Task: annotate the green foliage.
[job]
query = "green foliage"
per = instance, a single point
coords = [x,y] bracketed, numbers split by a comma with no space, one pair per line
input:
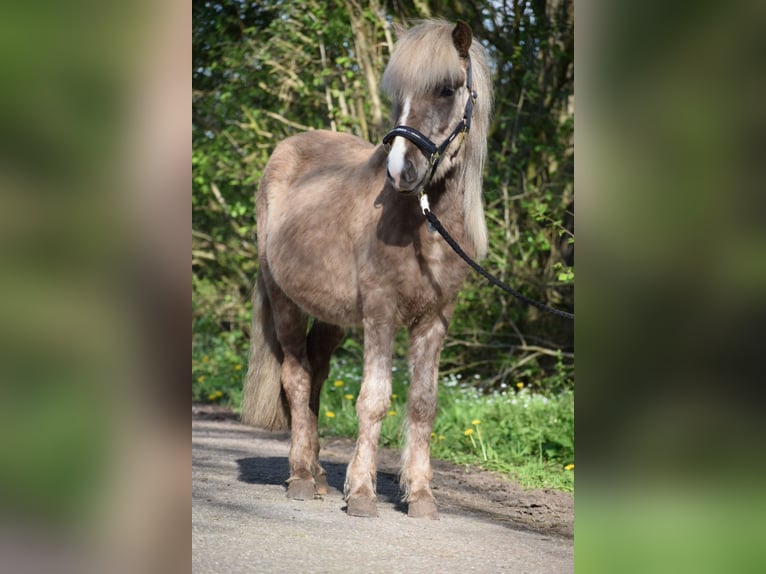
[218,370]
[218,356]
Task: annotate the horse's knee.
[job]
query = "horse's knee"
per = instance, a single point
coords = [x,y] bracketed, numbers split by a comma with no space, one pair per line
[370,409]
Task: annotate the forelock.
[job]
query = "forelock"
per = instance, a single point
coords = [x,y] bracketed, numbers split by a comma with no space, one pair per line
[423,59]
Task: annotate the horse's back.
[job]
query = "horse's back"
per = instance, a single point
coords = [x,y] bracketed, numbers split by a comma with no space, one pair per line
[324,143]
[319,148]
[317,163]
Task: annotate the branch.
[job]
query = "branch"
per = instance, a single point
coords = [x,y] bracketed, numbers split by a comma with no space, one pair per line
[219,197]
[327,94]
[287,122]
[226,211]
[544,351]
[201,235]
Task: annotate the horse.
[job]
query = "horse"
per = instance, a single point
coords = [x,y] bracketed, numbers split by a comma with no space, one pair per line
[342,240]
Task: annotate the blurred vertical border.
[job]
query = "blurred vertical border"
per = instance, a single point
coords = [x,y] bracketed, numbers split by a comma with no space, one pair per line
[672,255]
[95,181]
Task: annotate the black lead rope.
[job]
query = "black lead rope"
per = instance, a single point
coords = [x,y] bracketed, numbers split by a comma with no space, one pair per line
[436,224]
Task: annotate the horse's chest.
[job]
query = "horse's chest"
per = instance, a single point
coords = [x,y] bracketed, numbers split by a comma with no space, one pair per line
[434,276]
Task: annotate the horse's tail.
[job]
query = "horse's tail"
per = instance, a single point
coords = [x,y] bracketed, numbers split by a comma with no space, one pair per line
[264,403]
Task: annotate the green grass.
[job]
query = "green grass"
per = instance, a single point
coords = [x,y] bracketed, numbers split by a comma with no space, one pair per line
[526,435]
[218,369]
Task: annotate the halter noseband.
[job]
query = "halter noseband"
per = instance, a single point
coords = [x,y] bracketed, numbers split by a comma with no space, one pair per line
[433,152]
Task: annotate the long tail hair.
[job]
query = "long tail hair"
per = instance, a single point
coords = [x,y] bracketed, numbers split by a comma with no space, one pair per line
[264,403]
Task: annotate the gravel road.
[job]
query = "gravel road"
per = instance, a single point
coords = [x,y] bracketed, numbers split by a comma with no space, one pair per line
[243,522]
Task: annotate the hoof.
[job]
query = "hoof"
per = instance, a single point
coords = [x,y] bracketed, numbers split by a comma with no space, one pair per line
[423,509]
[320,488]
[300,489]
[362,506]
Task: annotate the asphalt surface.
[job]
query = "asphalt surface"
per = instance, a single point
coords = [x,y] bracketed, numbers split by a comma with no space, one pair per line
[243,522]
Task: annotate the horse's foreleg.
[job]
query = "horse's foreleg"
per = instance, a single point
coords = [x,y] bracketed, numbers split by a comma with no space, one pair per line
[371,408]
[426,340]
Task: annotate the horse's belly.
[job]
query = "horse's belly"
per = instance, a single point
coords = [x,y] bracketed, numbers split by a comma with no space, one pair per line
[324,300]
[318,281]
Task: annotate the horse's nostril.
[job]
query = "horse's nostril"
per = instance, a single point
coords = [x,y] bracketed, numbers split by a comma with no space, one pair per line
[409,172]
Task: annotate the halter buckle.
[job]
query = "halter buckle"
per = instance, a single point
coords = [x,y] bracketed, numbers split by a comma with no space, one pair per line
[423,198]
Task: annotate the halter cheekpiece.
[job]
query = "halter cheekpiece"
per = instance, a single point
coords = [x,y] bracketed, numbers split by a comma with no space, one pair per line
[433,152]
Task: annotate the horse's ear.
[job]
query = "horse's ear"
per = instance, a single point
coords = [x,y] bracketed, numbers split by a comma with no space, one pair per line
[462,36]
[399,30]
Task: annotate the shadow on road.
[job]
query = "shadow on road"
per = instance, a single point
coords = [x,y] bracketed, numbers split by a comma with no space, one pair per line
[274,470]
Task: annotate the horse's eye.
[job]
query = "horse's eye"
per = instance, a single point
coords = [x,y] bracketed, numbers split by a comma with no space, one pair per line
[447,92]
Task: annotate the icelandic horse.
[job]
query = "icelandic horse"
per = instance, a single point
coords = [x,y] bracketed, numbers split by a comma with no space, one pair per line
[342,239]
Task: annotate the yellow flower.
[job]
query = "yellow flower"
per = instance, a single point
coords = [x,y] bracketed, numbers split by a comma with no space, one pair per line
[238,368]
[215,395]
[433,435]
[330,414]
[392,413]
[468,432]
[394,396]
[338,383]
[205,359]
[201,379]
[348,397]
[519,385]
[441,437]
[569,467]
[475,422]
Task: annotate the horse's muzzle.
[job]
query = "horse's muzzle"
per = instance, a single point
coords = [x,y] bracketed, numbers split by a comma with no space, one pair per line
[405,180]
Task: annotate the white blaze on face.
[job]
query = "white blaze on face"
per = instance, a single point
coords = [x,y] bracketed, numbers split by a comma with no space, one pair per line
[398,149]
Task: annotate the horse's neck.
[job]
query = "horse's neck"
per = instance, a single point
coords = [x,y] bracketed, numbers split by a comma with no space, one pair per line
[446,201]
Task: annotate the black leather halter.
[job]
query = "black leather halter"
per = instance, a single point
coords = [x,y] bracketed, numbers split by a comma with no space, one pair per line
[433,152]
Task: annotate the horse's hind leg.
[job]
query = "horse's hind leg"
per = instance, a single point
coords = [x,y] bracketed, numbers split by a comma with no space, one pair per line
[426,341]
[290,323]
[322,341]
